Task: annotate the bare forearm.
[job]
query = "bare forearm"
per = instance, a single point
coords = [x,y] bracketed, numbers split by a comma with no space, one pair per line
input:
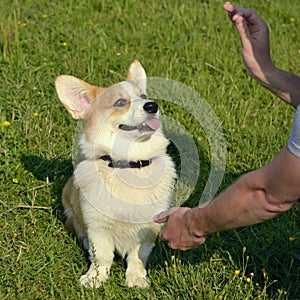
[240,205]
[283,84]
[232,209]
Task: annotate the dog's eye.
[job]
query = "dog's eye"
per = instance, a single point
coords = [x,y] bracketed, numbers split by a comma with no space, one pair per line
[120,102]
[144,96]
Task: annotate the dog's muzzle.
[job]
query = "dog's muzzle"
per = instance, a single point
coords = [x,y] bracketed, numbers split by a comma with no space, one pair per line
[151,124]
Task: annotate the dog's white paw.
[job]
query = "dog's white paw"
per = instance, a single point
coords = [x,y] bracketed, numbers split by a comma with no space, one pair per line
[135,281]
[92,279]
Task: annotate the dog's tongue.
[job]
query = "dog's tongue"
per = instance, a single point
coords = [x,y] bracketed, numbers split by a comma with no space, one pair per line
[154,124]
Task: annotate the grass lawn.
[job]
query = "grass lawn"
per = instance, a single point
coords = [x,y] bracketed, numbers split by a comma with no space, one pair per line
[191,42]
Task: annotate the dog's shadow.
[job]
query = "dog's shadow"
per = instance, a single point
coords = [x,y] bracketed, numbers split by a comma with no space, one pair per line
[53,171]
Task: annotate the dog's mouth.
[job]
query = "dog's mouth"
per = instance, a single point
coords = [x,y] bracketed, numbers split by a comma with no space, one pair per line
[149,125]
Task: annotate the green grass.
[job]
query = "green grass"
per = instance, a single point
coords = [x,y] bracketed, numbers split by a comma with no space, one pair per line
[191,42]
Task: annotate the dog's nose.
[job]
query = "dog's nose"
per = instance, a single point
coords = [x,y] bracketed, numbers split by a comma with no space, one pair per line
[151,107]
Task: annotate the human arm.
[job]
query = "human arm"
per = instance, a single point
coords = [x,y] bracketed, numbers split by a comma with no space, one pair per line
[255,197]
[259,195]
[254,34]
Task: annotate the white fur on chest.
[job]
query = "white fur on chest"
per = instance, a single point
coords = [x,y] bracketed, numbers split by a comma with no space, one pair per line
[126,195]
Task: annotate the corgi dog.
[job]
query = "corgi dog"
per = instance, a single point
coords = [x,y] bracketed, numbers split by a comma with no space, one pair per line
[124,178]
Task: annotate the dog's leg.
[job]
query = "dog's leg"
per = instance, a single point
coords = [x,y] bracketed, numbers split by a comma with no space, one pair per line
[136,274]
[101,251]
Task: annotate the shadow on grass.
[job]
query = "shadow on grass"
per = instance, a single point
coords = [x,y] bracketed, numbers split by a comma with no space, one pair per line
[54,171]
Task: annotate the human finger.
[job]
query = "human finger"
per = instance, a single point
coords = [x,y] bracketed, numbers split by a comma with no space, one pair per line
[164,216]
[248,14]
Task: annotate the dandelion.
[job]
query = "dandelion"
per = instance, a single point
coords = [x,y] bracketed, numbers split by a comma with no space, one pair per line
[291,238]
[15,180]
[248,279]
[237,272]
[35,114]
[22,24]
[6,124]
[65,44]
[44,16]
[292,20]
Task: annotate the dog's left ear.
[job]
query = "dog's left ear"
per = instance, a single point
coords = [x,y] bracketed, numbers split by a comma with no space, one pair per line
[137,74]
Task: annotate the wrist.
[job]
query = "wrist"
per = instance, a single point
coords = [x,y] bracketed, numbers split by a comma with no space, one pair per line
[193,222]
[264,73]
[271,73]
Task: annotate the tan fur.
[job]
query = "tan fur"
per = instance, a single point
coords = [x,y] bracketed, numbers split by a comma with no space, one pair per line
[111,209]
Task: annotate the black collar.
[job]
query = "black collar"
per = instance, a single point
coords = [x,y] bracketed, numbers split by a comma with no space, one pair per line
[123,164]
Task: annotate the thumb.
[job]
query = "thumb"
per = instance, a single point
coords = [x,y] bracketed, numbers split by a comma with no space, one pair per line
[241,26]
[164,216]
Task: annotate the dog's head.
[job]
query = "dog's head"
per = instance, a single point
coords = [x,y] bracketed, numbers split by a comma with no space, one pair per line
[116,118]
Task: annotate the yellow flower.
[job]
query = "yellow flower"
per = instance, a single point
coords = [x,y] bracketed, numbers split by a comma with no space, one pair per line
[237,272]
[45,16]
[291,238]
[35,114]
[6,123]
[248,279]
[15,180]
[65,44]
[292,20]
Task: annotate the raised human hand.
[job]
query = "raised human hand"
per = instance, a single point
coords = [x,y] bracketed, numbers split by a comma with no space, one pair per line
[254,34]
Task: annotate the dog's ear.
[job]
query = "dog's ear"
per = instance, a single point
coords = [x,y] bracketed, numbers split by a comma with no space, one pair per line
[137,74]
[75,94]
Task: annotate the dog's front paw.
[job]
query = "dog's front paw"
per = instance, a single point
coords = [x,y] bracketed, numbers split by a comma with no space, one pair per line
[93,279]
[135,281]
